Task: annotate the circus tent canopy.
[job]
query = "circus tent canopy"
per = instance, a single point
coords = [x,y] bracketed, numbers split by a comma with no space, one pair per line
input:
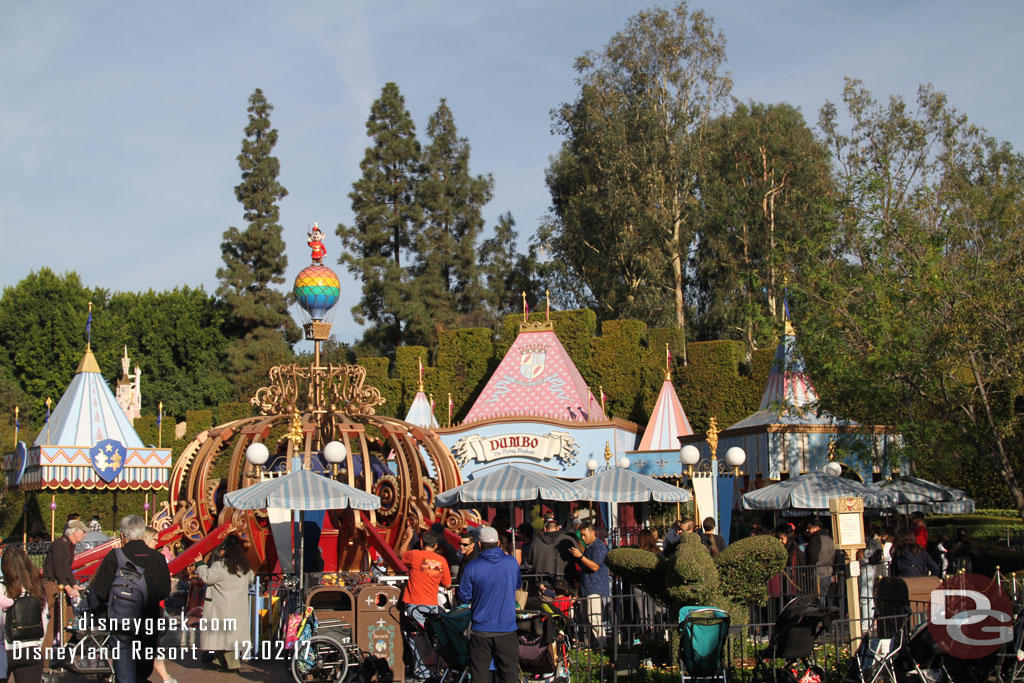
[421,413]
[537,377]
[668,421]
[537,412]
[88,443]
[787,434]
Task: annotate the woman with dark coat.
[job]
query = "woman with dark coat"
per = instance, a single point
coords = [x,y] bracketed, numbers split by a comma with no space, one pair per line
[909,559]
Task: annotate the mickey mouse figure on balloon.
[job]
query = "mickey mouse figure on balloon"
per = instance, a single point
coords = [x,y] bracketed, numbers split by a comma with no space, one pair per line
[316,243]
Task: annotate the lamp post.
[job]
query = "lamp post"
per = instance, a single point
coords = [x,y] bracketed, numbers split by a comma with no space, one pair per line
[334,454]
[708,473]
[256,455]
[593,467]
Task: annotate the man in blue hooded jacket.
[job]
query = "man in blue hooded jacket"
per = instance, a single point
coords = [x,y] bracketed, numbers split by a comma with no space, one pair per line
[489,585]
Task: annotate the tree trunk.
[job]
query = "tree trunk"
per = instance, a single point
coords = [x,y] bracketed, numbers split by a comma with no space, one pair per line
[998,453]
[677,282]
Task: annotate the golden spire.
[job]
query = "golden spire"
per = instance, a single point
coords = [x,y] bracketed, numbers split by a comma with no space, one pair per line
[713,437]
[88,363]
[294,433]
[420,359]
[668,364]
[607,454]
[526,310]
[88,331]
[547,309]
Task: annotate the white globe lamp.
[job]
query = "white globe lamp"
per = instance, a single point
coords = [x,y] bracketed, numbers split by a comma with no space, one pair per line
[257,454]
[591,465]
[834,469]
[334,454]
[624,462]
[735,457]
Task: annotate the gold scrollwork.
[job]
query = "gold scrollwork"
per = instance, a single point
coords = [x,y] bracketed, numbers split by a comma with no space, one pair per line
[341,386]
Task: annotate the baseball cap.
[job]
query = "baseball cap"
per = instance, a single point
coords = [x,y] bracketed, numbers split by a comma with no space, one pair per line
[77,525]
[488,534]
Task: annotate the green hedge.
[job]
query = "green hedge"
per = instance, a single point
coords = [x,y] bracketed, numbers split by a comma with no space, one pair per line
[746,565]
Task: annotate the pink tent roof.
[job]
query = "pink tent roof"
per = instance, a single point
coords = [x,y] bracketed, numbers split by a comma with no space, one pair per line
[668,422]
[537,378]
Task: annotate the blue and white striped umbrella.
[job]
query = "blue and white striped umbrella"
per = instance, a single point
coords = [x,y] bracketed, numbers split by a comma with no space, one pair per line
[301,490]
[623,485]
[508,484]
[813,491]
[916,490]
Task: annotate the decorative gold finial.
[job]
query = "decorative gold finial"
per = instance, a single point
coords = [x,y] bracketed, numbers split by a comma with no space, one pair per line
[832,449]
[294,433]
[547,309]
[607,454]
[668,363]
[420,359]
[526,309]
[713,431]
[88,330]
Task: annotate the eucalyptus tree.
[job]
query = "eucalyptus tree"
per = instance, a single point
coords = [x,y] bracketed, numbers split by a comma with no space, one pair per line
[915,315]
[624,185]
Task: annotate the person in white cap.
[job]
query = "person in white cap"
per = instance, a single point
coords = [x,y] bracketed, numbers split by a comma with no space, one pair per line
[489,585]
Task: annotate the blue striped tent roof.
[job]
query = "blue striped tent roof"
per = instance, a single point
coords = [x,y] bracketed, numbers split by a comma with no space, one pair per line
[623,485]
[301,490]
[88,413]
[812,492]
[508,484]
[916,490]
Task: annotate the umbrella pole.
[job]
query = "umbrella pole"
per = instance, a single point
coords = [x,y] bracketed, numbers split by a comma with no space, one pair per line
[302,554]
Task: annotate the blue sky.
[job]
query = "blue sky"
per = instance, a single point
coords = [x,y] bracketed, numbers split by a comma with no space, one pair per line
[120,122]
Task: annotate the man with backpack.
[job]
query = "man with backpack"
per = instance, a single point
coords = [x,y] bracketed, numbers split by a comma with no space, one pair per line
[131,581]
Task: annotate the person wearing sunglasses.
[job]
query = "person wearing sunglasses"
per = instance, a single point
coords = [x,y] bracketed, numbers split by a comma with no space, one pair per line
[468,550]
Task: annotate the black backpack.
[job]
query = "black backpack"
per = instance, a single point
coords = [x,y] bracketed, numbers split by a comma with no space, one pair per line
[25,619]
[128,589]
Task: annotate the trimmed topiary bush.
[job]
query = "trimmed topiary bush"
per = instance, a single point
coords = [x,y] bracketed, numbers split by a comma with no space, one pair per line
[746,566]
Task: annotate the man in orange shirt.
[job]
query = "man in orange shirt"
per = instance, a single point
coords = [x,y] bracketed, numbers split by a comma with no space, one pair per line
[428,570]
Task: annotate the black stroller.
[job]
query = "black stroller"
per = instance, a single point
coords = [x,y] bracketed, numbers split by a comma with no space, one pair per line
[81,648]
[799,624]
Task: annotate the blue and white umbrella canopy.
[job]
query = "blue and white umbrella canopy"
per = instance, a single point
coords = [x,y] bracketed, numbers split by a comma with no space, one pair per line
[623,485]
[508,484]
[813,491]
[301,490]
[927,496]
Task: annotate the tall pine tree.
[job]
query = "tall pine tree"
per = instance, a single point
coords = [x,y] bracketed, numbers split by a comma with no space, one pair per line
[386,216]
[507,273]
[254,258]
[447,278]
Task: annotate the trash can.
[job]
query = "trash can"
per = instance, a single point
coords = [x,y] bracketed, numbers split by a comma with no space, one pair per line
[334,607]
[379,627]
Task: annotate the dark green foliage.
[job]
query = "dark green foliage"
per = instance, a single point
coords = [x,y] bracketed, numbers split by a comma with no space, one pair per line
[746,565]
[712,385]
[198,420]
[620,364]
[390,389]
[386,216]
[640,568]
[254,258]
[176,338]
[693,578]
[447,290]
[145,427]
[624,186]
[765,181]
[464,363]
[229,412]
[507,272]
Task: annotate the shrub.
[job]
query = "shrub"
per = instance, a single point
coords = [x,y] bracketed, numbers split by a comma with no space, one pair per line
[745,567]
[694,577]
[642,568]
